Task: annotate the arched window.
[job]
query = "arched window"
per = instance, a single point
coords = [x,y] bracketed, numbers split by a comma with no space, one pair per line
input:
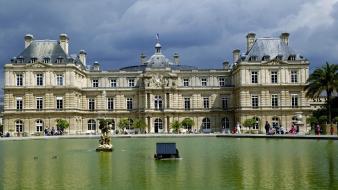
[275,122]
[19,126]
[206,123]
[130,124]
[225,122]
[158,103]
[91,125]
[39,125]
[158,124]
[256,126]
[112,124]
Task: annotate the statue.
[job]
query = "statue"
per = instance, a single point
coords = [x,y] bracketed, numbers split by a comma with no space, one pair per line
[104,142]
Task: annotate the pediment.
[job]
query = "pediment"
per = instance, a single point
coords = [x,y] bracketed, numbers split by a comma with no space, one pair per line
[37,65]
[275,62]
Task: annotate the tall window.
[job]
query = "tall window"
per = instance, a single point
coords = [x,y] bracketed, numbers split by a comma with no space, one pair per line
[187,103]
[39,125]
[225,122]
[158,124]
[185,82]
[256,126]
[129,103]
[274,75]
[294,76]
[113,83]
[39,103]
[59,80]
[274,100]
[19,79]
[91,104]
[206,103]
[294,100]
[158,103]
[204,82]
[33,60]
[224,103]
[19,126]
[59,60]
[275,122]
[91,125]
[95,83]
[254,101]
[221,81]
[19,103]
[131,82]
[39,79]
[206,123]
[59,103]
[254,77]
[110,103]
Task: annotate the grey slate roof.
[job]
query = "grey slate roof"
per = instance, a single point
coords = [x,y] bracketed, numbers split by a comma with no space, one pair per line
[270,47]
[143,67]
[41,49]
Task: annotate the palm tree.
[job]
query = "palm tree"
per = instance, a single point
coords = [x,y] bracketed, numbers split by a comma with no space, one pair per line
[324,79]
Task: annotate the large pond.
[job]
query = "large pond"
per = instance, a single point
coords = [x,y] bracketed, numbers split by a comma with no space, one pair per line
[208,163]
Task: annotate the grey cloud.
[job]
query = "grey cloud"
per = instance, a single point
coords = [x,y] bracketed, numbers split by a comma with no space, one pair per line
[203,32]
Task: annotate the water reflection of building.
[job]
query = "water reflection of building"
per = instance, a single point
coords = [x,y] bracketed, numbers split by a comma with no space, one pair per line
[45,82]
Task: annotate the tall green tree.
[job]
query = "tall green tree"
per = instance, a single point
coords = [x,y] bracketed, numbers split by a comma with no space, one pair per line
[62,124]
[249,123]
[187,123]
[175,125]
[139,124]
[324,79]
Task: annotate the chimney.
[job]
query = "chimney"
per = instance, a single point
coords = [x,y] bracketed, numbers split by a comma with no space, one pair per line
[28,39]
[82,56]
[250,40]
[225,64]
[64,42]
[176,58]
[236,55]
[285,37]
[143,58]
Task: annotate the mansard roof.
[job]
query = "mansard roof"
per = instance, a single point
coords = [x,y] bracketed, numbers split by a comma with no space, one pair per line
[41,49]
[271,47]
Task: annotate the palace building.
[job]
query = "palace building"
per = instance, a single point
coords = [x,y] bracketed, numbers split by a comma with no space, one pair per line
[45,83]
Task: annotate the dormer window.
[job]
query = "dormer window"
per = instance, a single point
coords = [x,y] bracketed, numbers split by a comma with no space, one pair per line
[33,60]
[59,60]
[265,58]
[20,59]
[292,57]
[253,58]
[279,57]
[46,60]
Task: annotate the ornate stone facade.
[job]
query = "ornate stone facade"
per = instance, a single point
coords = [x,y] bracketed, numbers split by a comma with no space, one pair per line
[45,83]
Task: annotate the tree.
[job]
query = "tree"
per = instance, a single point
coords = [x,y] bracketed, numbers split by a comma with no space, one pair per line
[62,124]
[312,120]
[176,125]
[249,123]
[324,79]
[124,123]
[187,123]
[139,124]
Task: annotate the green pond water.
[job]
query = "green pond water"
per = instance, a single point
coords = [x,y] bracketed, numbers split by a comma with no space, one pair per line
[207,163]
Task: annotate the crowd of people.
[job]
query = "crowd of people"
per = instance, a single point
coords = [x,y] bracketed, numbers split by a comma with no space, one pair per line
[52,132]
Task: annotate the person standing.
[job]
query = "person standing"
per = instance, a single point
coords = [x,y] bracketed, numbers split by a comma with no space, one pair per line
[238,128]
[317,129]
[267,127]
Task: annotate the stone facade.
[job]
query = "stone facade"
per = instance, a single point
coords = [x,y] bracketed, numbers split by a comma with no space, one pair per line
[45,83]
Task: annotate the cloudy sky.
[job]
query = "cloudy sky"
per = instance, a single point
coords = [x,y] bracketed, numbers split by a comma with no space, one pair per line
[203,32]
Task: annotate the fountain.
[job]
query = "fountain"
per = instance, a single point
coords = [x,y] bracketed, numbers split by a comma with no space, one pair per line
[105,139]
